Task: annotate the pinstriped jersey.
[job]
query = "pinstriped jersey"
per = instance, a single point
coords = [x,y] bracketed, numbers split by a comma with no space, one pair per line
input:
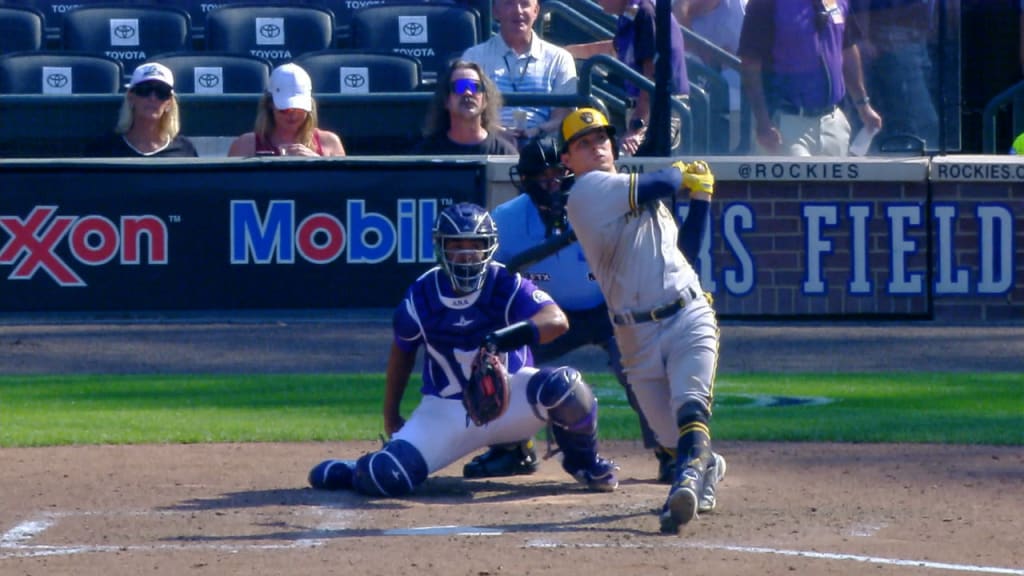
[451,327]
[624,242]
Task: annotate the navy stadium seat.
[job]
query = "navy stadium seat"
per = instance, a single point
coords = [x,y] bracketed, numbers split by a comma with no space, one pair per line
[358,72]
[21,28]
[277,32]
[434,33]
[53,11]
[59,73]
[216,72]
[127,33]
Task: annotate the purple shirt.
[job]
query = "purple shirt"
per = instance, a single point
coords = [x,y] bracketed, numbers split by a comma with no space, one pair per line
[452,327]
[800,48]
[635,42]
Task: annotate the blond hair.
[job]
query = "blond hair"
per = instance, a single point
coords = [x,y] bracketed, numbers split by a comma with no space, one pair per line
[170,122]
[264,127]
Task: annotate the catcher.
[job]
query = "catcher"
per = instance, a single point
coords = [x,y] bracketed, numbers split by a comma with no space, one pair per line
[476,321]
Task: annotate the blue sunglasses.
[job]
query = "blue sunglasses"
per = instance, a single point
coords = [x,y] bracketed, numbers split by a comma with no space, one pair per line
[463,85]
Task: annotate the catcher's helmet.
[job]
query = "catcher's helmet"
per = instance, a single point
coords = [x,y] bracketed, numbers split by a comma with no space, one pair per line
[465,266]
[540,175]
[582,122]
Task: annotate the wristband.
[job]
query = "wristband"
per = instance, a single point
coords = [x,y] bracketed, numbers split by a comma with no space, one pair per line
[515,336]
[862,102]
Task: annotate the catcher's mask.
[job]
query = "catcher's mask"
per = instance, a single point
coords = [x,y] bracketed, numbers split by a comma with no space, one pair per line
[541,176]
[465,239]
[581,122]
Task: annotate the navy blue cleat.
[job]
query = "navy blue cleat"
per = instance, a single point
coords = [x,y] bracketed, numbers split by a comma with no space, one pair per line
[681,506]
[599,476]
[332,475]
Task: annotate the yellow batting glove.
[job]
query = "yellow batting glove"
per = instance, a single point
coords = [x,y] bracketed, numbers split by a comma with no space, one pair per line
[698,177]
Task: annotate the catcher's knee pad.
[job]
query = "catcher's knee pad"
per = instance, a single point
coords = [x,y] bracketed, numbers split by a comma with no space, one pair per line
[565,397]
[394,470]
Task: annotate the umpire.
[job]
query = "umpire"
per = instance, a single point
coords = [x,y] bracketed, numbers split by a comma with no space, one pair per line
[534,219]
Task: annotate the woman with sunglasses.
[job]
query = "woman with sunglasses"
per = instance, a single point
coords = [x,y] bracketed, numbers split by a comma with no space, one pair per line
[286,122]
[464,116]
[148,123]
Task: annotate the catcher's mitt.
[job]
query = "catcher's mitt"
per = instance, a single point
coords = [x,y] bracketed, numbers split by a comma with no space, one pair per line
[486,396]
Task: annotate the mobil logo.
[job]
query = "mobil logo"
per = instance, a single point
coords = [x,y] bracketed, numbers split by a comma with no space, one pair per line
[277,235]
[31,243]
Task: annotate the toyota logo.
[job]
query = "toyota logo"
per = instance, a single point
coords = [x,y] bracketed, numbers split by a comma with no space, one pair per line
[355,80]
[124,31]
[270,30]
[208,80]
[57,80]
[413,29]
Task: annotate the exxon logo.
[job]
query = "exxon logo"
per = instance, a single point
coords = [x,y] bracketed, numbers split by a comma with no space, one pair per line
[92,240]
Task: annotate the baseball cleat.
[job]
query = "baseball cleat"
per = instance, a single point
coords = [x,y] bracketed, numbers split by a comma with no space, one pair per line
[599,477]
[332,475]
[681,506]
[503,460]
[714,475]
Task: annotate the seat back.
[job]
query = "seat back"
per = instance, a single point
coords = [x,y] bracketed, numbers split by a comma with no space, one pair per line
[20,29]
[357,72]
[276,32]
[127,33]
[433,33]
[53,11]
[59,73]
[216,72]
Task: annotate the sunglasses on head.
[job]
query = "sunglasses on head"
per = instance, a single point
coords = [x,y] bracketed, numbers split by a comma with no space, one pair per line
[145,90]
[463,85]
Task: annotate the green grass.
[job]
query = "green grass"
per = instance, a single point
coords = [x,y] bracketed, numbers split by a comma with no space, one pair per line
[918,407]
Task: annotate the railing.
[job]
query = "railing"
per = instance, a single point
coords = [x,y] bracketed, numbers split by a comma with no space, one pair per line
[1014,95]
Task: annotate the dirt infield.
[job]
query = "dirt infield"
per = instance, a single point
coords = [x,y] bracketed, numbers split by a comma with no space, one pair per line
[244,509]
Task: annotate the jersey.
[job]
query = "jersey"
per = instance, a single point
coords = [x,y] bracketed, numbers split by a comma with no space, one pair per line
[613,231]
[564,275]
[452,327]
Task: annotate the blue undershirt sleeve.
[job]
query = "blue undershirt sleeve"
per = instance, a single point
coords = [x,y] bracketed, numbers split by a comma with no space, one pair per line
[692,230]
[659,184]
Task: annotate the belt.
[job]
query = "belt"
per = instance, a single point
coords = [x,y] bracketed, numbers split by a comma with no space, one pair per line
[657,313]
[806,111]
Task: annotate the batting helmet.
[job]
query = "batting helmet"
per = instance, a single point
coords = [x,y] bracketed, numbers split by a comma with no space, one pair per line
[582,122]
[466,267]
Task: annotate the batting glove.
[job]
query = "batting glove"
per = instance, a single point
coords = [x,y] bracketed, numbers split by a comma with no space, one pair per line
[697,176]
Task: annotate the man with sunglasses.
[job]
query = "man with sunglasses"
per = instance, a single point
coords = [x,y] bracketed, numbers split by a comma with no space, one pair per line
[463,116]
[148,123]
[517,60]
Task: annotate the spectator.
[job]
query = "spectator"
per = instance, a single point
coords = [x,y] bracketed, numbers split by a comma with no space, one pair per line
[799,58]
[517,60]
[894,49]
[286,122]
[634,45]
[463,117]
[148,123]
[718,22]
[464,303]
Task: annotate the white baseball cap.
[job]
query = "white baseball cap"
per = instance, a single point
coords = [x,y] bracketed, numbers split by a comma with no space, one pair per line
[152,71]
[291,88]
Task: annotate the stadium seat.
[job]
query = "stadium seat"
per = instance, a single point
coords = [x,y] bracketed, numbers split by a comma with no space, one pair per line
[357,72]
[216,72]
[434,33]
[59,73]
[21,29]
[127,33]
[53,12]
[277,32]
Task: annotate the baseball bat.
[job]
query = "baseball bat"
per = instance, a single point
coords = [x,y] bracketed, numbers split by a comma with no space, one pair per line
[540,251]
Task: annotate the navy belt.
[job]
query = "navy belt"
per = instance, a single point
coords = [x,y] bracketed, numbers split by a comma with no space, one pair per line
[657,313]
[806,111]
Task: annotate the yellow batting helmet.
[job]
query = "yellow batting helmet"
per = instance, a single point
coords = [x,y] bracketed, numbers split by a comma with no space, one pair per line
[582,122]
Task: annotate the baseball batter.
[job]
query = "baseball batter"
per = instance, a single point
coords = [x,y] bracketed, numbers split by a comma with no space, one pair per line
[665,328]
[451,311]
